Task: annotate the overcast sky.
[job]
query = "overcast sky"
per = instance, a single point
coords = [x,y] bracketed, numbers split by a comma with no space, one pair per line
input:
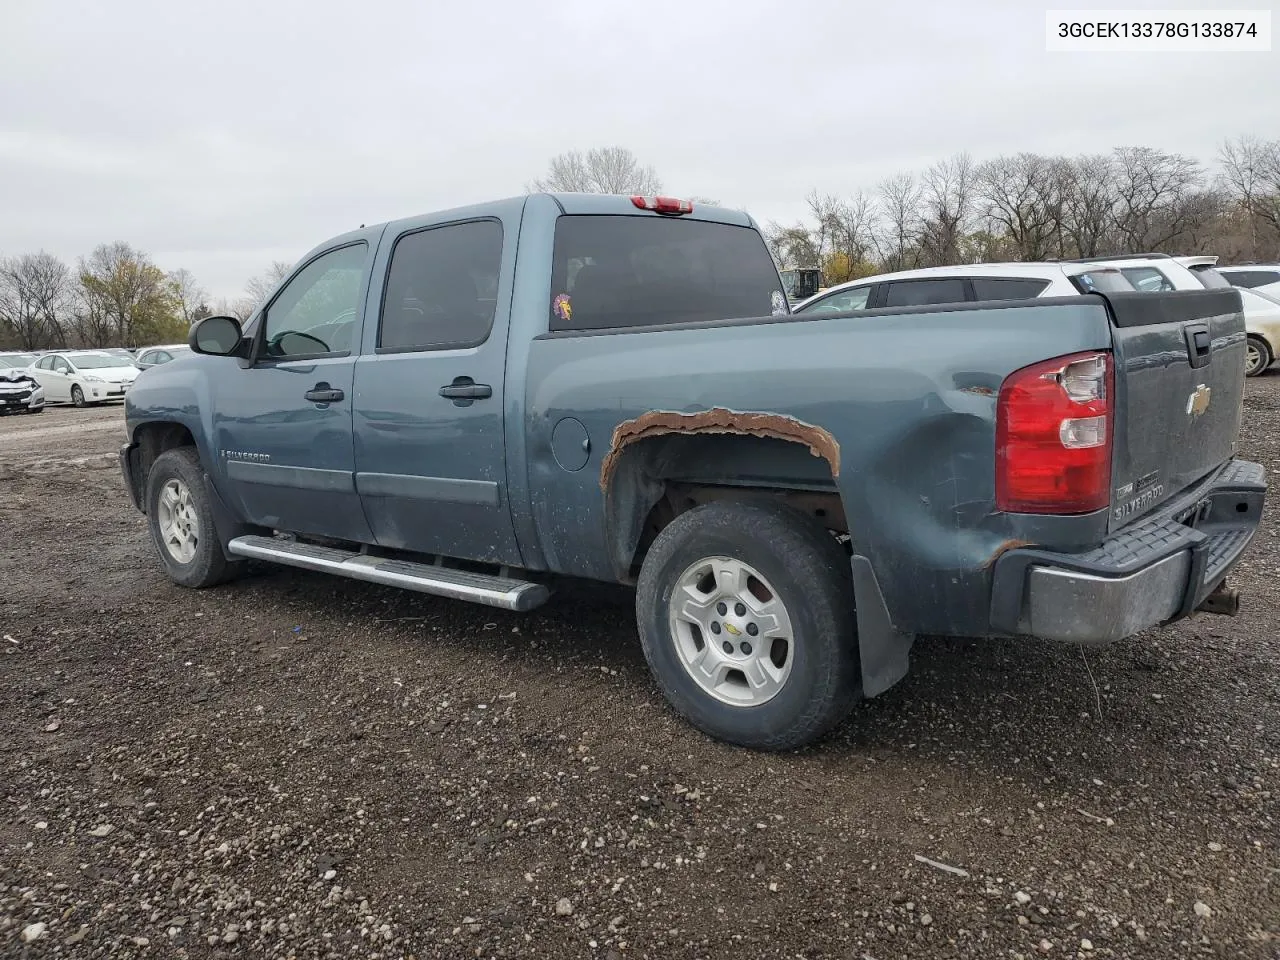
[221,136]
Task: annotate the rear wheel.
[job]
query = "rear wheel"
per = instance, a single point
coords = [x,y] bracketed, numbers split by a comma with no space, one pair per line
[181,521]
[77,396]
[746,617]
[1258,357]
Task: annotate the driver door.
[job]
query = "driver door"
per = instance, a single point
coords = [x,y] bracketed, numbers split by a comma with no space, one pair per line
[282,420]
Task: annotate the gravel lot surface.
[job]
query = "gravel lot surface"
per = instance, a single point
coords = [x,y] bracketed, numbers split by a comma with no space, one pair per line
[300,766]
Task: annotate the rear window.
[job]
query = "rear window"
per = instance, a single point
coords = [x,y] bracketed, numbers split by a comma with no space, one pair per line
[1007,288]
[1253,278]
[1210,278]
[1102,281]
[629,271]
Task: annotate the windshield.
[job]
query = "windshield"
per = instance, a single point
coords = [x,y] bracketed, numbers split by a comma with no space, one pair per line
[97,361]
[17,360]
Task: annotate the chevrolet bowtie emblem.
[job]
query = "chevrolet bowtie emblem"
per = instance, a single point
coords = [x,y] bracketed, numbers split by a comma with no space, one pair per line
[1198,402]
[732,629]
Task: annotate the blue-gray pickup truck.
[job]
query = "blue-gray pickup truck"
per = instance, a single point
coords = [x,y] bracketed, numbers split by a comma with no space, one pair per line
[481,402]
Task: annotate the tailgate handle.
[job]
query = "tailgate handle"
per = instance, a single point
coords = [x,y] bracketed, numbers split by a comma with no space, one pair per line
[1199,343]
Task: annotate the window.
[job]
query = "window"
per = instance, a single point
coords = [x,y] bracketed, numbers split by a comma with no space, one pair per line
[1147,279]
[442,288]
[855,298]
[46,363]
[919,293]
[318,310]
[61,366]
[98,361]
[627,271]
[1211,278]
[1102,281]
[1001,288]
[1253,278]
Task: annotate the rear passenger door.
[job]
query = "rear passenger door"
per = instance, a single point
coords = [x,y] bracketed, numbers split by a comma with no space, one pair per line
[430,450]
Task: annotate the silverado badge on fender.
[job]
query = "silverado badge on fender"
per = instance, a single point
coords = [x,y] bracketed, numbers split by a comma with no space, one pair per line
[1198,402]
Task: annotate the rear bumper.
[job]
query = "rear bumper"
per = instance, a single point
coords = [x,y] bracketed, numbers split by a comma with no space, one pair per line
[1155,571]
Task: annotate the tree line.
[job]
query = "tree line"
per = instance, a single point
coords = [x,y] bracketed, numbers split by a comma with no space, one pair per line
[115,297]
[1030,207]
[1022,207]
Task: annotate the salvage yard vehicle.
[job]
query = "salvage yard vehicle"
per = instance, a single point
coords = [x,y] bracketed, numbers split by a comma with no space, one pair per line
[83,377]
[472,402]
[19,391]
[154,356]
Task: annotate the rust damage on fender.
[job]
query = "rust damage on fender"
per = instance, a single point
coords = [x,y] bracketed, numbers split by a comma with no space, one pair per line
[1005,548]
[719,420]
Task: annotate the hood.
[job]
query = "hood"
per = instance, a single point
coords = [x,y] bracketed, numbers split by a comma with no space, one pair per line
[113,374]
[15,375]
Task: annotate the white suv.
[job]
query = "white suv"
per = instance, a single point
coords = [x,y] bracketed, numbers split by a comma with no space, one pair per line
[1263,277]
[965,283]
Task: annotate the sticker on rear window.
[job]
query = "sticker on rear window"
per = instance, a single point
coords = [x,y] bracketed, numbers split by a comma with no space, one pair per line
[778,302]
[562,307]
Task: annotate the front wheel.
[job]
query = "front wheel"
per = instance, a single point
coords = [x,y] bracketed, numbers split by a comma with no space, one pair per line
[746,617]
[77,396]
[181,521]
[1257,357]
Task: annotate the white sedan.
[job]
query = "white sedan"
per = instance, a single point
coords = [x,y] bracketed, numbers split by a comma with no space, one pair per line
[83,377]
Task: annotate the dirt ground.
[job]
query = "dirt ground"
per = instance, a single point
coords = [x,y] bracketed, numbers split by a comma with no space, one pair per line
[300,766]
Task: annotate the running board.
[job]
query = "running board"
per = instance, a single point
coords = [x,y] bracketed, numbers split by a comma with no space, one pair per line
[504,592]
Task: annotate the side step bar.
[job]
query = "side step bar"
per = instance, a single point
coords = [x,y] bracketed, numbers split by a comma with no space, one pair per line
[503,592]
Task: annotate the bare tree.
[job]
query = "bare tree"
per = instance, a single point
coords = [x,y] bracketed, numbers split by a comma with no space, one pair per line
[793,246]
[35,293]
[599,170]
[190,296]
[898,243]
[1023,199]
[1088,198]
[949,189]
[1151,193]
[1251,173]
[258,288]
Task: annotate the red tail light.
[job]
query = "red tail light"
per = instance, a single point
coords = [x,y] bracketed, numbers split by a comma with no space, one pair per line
[663,204]
[1053,436]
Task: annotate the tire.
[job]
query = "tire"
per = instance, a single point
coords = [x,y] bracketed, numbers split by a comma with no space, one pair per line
[181,522]
[77,395]
[790,556]
[1259,357]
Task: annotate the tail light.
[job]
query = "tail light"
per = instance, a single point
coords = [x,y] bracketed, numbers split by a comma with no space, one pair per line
[664,204]
[1053,436]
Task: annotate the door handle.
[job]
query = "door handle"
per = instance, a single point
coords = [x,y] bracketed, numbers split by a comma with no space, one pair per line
[464,389]
[323,393]
[1199,344]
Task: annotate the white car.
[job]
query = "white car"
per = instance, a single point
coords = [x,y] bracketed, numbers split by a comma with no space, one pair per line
[83,377]
[966,283]
[1263,277]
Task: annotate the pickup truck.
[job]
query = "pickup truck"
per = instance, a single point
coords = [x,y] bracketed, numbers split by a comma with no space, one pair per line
[481,402]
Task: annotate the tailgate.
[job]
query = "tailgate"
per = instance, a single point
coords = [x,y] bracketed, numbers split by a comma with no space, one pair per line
[1180,360]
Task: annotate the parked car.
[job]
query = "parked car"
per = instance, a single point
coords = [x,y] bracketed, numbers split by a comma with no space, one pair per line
[612,388]
[83,377]
[1261,320]
[19,391]
[154,356]
[1263,277]
[11,359]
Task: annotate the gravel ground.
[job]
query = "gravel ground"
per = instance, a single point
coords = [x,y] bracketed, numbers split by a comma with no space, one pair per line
[299,766]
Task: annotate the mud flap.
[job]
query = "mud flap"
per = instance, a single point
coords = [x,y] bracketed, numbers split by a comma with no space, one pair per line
[883,648]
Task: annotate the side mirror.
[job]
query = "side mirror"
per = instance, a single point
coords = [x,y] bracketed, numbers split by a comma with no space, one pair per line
[215,336]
